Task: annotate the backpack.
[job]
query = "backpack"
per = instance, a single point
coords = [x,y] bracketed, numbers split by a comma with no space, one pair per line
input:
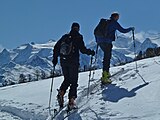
[66,47]
[100,30]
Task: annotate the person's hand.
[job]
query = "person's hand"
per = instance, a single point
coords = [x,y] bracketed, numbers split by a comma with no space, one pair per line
[132,28]
[92,53]
[55,61]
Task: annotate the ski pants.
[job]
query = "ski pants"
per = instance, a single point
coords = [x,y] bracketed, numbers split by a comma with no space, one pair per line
[70,72]
[107,49]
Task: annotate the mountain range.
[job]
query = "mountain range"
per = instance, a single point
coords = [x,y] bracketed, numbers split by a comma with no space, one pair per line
[33,59]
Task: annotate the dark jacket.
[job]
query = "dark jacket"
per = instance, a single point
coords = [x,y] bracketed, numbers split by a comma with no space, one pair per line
[78,45]
[111,29]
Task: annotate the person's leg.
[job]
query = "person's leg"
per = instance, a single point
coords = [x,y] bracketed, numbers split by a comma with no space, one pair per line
[107,49]
[73,73]
[64,86]
[66,82]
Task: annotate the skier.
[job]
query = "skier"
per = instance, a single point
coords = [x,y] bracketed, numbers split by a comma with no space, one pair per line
[69,59]
[105,43]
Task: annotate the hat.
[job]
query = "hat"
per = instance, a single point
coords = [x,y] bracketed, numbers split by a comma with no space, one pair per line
[75,25]
[113,15]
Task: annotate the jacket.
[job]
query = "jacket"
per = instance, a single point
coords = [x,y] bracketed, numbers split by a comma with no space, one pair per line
[78,45]
[111,29]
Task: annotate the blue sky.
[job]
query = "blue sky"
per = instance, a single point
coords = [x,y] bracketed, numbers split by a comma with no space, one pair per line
[25,21]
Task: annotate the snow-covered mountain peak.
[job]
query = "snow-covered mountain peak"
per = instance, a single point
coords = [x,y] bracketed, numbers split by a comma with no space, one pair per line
[45,52]
[4,51]
[24,52]
[24,46]
[51,41]
[122,42]
[50,44]
[36,61]
[10,65]
[147,44]
[4,57]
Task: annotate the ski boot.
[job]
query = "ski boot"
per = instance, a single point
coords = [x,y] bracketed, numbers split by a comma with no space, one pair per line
[71,105]
[60,98]
[105,78]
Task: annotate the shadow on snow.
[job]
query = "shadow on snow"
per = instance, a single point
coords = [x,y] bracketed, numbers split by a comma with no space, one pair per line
[114,93]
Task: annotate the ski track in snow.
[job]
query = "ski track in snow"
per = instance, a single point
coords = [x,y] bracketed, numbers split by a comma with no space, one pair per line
[21,111]
[7,116]
[127,98]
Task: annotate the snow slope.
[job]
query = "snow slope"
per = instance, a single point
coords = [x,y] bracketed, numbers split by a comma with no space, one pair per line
[127,98]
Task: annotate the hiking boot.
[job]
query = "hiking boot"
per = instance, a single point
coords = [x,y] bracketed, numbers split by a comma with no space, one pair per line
[105,74]
[60,98]
[71,104]
[105,78]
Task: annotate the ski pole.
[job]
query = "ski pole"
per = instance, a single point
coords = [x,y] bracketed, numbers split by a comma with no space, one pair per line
[135,50]
[95,61]
[136,60]
[89,76]
[50,97]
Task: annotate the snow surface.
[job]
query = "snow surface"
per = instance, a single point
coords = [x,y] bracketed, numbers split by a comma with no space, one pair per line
[127,98]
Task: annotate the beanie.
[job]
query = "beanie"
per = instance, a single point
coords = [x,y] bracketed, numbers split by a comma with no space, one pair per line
[75,25]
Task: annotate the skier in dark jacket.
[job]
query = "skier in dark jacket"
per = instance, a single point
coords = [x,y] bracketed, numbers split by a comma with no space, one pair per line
[105,44]
[70,64]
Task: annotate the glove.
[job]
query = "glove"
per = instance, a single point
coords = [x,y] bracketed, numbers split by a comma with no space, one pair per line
[132,28]
[92,52]
[55,61]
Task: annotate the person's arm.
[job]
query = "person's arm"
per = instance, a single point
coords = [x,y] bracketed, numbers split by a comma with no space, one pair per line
[56,50]
[83,49]
[123,30]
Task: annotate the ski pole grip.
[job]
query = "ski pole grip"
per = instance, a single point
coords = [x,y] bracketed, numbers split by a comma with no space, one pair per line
[133,34]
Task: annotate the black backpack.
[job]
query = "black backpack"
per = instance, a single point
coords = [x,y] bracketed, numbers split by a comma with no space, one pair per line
[66,48]
[100,30]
